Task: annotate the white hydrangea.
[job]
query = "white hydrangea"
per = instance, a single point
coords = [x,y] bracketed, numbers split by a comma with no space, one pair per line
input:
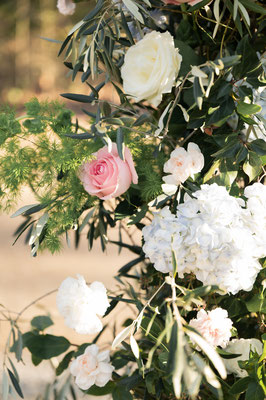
[66,7]
[243,347]
[81,304]
[214,326]
[92,368]
[212,237]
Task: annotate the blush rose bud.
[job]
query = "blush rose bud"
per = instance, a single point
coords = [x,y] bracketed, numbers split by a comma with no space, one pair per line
[108,176]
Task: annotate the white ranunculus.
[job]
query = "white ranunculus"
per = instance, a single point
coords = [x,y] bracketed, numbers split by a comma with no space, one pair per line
[66,7]
[214,326]
[92,368]
[243,347]
[182,164]
[81,304]
[151,67]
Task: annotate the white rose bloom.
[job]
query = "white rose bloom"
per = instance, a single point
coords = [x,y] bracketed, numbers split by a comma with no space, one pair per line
[183,164]
[66,7]
[243,347]
[213,237]
[151,67]
[197,158]
[80,304]
[214,326]
[92,368]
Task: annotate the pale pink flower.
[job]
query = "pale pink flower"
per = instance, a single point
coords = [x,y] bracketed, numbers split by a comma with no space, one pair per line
[214,326]
[197,159]
[66,7]
[92,368]
[177,3]
[183,164]
[108,176]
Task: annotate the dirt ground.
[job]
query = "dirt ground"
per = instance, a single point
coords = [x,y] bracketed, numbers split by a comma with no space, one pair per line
[23,279]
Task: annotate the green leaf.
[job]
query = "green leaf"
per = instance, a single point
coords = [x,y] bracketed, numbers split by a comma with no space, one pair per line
[95,11]
[101,391]
[189,57]
[139,215]
[258,146]
[176,359]
[133,8]
[15,383]
[120,144]
[142,119]
[247,109]
[226,354]
[47,346]
[197,92]
[249,62]
[18,346]
[64,363]
[5,386]
[220,115]
[254,392]
[41,322]
[121,393]
[223,172]
[23,209]
[251,5]
[81,98]
[257,303]
[127,267]
[252,167]
[240,386]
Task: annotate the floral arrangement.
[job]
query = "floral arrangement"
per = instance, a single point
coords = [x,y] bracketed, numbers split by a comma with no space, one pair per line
[180,157]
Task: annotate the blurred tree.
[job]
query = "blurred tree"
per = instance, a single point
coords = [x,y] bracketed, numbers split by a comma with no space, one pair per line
[29,65]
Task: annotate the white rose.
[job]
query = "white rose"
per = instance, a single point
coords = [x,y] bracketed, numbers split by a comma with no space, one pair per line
[92,368]
[183,164]
[80,304]
[243,347]
[214,326]
[66,7]
[197,159]
[151,67]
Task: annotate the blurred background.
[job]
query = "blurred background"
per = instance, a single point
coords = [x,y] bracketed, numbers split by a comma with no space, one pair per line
[30,67]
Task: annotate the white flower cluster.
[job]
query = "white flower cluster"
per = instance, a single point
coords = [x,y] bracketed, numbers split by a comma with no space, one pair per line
[81,304]
[214,326]
[213,237]
[92,368]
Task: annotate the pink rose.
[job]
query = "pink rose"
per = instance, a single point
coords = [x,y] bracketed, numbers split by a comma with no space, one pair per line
[177,3]
[108,176]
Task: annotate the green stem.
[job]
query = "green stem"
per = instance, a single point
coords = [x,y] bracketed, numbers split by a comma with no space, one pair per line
[184,13]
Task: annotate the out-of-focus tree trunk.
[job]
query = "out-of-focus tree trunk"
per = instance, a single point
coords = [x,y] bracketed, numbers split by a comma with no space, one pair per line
[22,43]
[48,70]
